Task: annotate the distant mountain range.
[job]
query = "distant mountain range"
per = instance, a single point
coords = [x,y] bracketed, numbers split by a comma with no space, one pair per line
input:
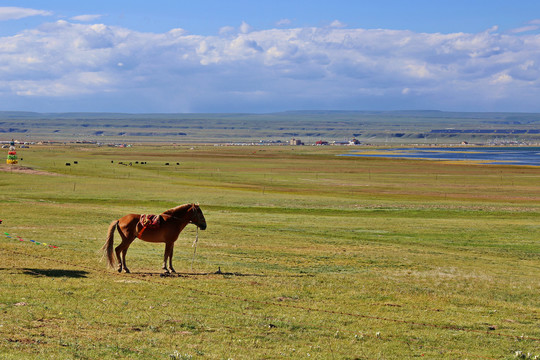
[419,126]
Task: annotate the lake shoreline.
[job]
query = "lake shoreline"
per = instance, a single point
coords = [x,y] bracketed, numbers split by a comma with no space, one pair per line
[523,156]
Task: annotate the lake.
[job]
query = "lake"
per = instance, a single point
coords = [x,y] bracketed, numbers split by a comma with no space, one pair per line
[485,155]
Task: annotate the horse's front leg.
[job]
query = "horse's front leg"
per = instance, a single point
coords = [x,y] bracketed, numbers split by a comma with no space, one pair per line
[170,258]
[166,256]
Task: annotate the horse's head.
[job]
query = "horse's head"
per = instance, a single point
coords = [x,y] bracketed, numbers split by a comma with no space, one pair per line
[197,217]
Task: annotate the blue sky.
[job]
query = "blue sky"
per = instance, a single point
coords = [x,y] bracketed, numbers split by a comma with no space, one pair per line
[264,56]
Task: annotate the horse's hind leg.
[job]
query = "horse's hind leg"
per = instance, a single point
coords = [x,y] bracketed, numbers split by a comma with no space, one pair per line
[124,252]
[121,251]
[117,251]
[121,256]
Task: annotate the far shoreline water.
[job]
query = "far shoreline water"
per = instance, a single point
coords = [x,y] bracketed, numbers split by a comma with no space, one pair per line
[524,156]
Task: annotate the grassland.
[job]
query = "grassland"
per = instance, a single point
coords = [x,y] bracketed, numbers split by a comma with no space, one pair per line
[319,256]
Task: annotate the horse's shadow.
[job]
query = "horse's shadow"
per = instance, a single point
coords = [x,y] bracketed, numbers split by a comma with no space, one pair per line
[195,274]
[219,272]
[54,273]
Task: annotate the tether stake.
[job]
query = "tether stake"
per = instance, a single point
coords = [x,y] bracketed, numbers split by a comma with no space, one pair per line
[195,247]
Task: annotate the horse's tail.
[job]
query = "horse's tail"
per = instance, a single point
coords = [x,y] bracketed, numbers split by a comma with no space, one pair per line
[109,244]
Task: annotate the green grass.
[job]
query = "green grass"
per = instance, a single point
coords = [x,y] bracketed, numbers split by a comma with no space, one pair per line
[321,257]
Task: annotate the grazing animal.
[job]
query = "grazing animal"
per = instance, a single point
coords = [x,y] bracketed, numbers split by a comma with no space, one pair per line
[171,223]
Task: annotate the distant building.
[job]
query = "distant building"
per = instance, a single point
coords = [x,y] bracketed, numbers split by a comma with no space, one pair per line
[321,142]
[347,142]
[296,142]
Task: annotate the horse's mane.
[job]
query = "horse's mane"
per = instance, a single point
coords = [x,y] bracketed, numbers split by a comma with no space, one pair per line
[177,209]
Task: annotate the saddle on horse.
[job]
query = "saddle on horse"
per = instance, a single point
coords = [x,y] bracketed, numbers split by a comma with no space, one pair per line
[149,221]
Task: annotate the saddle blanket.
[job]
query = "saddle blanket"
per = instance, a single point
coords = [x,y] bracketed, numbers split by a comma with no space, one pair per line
[150,221]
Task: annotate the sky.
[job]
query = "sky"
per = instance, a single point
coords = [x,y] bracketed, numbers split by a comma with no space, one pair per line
[176,56]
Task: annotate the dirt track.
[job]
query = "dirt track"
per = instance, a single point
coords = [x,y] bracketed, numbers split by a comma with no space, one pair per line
[24,170]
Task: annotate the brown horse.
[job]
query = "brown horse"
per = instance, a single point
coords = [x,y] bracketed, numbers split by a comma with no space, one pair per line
[172,222]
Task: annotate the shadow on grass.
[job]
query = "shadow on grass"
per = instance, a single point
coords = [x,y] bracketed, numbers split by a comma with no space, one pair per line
[188,274]
[56,273]
[219,272]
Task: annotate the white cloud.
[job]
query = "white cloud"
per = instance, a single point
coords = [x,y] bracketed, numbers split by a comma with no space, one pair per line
[225,30]
[275,69]
[86,18]
[73,84]
[243,46]
[501,78]
[177,32]
[532,25]
[337,24]
[14,13]
[526,28]
[245,28]
[284,22]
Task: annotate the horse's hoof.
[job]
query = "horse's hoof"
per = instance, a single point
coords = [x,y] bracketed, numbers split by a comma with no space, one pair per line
[120,270]
[127,271]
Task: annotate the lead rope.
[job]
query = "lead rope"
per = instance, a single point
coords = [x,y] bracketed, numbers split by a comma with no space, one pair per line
[195,247]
